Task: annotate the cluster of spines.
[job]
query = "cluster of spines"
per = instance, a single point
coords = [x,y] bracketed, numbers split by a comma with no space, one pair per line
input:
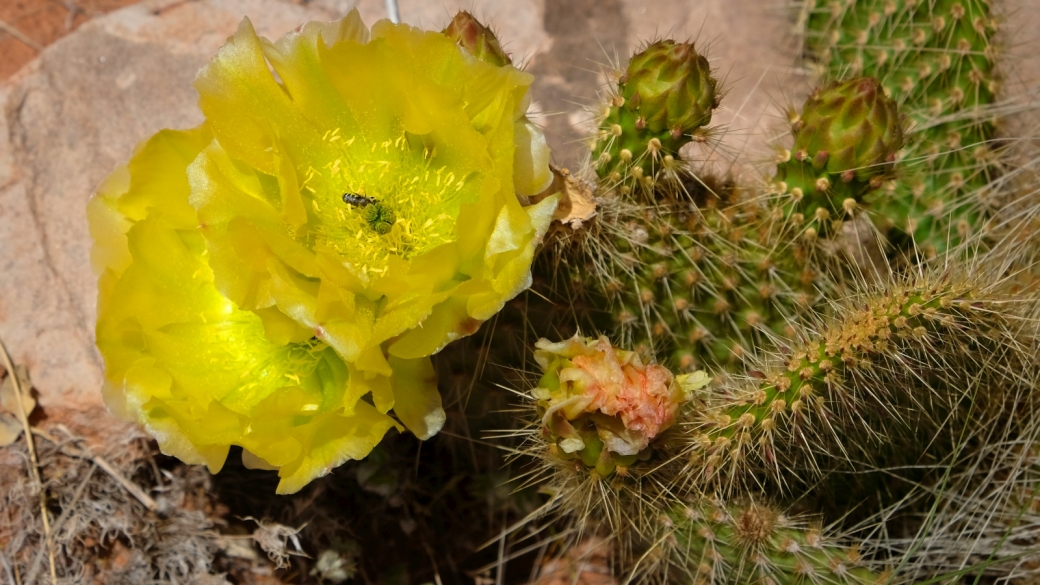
[706,271]
[937,59]
[707,542]
[699,280]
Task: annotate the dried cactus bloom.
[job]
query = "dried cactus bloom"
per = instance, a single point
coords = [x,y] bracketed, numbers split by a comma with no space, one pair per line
[846,140]
[198,372]
[603,405]
[332,224]
[476,38]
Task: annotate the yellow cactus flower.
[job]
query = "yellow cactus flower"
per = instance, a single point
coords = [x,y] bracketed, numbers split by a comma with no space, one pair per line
[278,278]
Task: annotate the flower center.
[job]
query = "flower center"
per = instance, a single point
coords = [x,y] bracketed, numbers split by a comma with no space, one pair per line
[378,215]
[399,201]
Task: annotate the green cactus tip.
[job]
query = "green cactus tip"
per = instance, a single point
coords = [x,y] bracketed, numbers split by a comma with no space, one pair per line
[846,141]
[664,99]
[670,87]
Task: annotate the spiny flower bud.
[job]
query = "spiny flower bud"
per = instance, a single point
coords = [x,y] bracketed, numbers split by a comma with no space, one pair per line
[850,126]
[473,36]
[671,86]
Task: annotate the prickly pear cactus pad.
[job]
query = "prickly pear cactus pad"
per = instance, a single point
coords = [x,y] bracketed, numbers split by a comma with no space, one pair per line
[708,272]
[327,229]
[663,100]
[937,58]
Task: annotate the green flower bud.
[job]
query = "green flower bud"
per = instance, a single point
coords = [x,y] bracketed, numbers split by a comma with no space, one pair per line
[850,126]
[671,87]
[845,145]
[663,101]
[477,39]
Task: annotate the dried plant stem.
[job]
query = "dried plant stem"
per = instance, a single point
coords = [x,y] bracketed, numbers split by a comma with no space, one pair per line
[107,467]
[24,417]
[61,519]
[7,28]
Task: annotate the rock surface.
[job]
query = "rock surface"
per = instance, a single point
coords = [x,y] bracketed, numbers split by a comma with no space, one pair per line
[70,116]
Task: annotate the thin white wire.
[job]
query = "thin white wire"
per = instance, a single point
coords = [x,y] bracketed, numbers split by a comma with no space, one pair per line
[391,11]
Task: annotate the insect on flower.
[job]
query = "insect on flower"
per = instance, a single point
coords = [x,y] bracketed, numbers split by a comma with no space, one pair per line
[357,200]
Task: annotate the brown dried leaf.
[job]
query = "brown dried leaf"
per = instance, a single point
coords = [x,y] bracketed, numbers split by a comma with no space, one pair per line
[577,203]
[10,429]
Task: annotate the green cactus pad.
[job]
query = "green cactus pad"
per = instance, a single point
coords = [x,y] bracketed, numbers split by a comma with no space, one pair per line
[699,279]
[893,367]
[936,59]
[709,542]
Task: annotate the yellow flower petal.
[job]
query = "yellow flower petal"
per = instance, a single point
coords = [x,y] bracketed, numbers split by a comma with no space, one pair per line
[278,278]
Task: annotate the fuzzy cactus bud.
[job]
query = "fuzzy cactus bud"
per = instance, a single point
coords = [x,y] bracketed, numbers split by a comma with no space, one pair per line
[663,100]
[671,86]
[845,144]
[851,126]
[602,405]
[477,39]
